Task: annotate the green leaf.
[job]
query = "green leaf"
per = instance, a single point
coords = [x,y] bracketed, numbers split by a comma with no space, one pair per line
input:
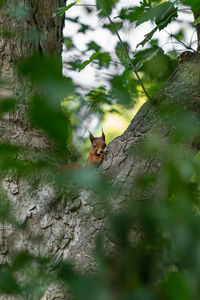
[93,46]
[148,36]
[175,287]
[20,260]
[121,54]
[45,110]
[8,150]
[87,62]
[73,20]
[146,55]
[166,12]
[8,283]
[47,73]
[62,10]
[44,116]
[161,14]
[132,14]
[105,6]
[179,35]
[5,207]
[104,59]
[68,43]
[84,28]
[2,2]
[97,98]
[154,63]
[154,42]
[194,4]
[118,26]
[74,64]
[197,21]
[40,68]
[123,88]
[7,105]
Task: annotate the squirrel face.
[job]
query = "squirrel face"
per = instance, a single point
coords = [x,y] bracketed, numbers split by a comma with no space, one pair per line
[96,155]
[98,144]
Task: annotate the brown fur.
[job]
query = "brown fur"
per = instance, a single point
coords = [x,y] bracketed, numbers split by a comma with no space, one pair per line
[96,155]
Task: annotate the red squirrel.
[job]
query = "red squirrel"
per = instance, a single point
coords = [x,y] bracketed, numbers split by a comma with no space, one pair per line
[96,155]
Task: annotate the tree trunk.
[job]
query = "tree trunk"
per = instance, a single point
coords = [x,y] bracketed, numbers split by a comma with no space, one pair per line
[27,27]
[68,228]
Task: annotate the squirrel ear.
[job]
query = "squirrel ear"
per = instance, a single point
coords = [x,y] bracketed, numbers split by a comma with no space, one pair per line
[103,135]
[91,136]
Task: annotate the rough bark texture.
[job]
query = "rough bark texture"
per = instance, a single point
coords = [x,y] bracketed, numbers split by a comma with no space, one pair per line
[35,20]
[25,20]
[68,222]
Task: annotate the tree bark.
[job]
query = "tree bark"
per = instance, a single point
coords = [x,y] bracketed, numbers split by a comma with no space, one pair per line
[26,27]
[69,222]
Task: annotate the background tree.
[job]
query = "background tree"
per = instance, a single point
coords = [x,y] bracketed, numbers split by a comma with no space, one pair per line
[144,250]
[27,28]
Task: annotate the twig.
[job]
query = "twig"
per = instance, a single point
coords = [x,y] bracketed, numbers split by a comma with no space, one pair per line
[85,5]
[192,37]
[181,42]
[126,53]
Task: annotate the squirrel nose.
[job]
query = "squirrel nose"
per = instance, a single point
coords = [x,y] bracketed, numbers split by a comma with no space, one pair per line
[99,152]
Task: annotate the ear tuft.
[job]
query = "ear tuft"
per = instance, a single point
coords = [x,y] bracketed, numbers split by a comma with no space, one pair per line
[103,135]
[91,136]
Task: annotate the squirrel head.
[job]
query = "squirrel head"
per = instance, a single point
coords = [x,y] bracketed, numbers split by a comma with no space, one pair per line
[98,144]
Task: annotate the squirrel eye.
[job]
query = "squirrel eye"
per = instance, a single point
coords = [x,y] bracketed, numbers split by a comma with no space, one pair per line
[94,145]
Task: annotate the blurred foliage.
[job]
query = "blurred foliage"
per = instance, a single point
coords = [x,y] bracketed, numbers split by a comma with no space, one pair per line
[45,110]
[157,242]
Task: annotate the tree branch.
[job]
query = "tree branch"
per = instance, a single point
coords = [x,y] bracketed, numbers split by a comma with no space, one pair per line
[179,41]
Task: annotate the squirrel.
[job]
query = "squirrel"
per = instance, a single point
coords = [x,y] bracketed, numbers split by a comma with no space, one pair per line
[96,155]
